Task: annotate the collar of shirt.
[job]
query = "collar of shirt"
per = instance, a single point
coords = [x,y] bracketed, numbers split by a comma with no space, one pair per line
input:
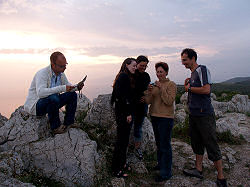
[55,80]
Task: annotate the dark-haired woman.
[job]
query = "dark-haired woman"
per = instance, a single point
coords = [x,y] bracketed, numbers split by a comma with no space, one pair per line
[161,96]
[122,96]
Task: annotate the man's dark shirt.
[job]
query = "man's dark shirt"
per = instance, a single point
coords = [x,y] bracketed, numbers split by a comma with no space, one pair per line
[142,81]
[200,104]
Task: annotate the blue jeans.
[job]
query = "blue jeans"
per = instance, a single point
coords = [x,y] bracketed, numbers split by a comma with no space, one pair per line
[53,103]
[162,130]
[138,122]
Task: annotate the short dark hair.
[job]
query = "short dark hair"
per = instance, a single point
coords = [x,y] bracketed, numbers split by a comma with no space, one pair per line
[141,58]
[53,56]
[190,53]
[164,65]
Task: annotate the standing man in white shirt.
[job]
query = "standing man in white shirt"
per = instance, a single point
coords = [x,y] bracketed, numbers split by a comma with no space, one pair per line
[49,91]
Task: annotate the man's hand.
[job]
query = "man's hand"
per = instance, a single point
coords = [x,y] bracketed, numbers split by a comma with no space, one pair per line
[69,88]
[187,84]
[150,88]
[158,84]
[129,118]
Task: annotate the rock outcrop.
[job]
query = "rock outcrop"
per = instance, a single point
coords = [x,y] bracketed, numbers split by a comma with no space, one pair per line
[230,122]
[83,105]
[70,157]
[102,114]
[2,120]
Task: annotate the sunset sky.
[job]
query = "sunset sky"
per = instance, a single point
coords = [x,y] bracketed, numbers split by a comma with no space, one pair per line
[97,35]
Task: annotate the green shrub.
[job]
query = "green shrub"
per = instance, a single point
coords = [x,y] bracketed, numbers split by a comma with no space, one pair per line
[180,131]
[227,137]
[38,180]
[229,96]
[81,117]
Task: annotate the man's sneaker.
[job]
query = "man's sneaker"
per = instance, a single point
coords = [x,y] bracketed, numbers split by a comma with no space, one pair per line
[221,182]
[75,125]
[59,130]
[193,173]
[139,153]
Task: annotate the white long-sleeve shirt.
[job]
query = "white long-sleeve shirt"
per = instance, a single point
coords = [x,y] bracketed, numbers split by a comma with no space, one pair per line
[41,87]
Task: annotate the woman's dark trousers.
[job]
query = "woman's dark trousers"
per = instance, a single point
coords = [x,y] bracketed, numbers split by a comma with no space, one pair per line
[162,130]
[122,140]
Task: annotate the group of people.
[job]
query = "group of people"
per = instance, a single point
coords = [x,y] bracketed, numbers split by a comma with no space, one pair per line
[132,92]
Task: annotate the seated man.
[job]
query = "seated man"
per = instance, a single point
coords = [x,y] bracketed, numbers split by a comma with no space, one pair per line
[45,94]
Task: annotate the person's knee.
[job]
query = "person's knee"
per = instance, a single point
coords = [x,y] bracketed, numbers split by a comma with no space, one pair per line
[54,99]
[73,96]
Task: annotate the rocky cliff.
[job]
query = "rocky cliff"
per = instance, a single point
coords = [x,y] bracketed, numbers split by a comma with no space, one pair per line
[81,157]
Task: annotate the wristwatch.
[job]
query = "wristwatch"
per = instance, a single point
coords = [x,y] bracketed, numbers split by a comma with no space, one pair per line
[189,89]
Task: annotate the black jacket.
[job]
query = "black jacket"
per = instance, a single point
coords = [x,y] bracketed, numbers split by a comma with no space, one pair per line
[123,95]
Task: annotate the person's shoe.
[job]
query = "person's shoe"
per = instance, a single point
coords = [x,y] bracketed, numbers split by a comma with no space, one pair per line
[221,182]
[74,125]
[59,130]
[193,173]
[161,179]
[139,153]
[156,168]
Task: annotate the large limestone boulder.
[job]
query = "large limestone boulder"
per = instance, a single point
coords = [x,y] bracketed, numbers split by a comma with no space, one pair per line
[70,158]
[184,98]
[101,112]
[23,128]
[3,119]
[7,181]
[148,140]
[239,103]
[83,104]
[11,163]
[230,123]
[220,108]
[180,116]
[213,96]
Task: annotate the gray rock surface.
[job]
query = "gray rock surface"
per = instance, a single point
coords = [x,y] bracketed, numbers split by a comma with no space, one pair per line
[213,96]
[118,182]
[3,119]
[23,128]
[6,181]
[184,98]
[69,157]
[240,103]
[180,116]
[11,163]
[230,122]
[101,112]
[83,105]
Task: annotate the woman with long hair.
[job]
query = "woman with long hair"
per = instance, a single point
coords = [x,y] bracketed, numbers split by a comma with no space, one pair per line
[161,97]
[122,96]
